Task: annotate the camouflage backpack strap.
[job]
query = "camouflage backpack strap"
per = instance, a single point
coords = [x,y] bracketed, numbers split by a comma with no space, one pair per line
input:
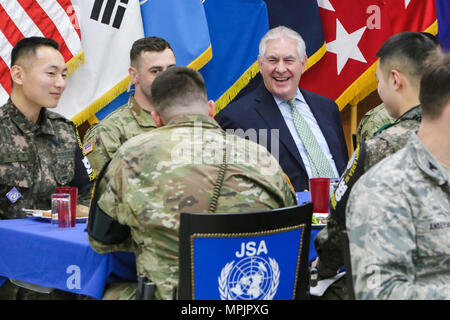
[220,177]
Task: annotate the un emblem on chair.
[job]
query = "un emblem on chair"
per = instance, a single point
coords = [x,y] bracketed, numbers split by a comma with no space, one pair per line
[254,277]
[245,256]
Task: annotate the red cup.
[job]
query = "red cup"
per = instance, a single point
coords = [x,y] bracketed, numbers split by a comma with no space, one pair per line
[61,210]
[320,194]
[73,191]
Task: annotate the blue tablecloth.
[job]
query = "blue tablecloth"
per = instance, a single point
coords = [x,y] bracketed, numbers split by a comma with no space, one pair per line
[303,197]
[34,251]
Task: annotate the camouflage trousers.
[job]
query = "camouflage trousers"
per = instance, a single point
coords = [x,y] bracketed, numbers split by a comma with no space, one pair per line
[9,291]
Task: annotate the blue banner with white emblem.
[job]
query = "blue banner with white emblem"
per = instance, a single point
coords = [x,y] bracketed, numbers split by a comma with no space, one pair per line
[247,266]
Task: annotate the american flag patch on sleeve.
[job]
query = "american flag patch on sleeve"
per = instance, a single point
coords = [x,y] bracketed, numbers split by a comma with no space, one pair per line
[88,147]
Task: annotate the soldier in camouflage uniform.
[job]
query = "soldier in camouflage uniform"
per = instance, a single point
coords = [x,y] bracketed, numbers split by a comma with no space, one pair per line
[400,65]
[374,120]
[149,57]
[155,176]
[398,213]
[39,149]
[35,158]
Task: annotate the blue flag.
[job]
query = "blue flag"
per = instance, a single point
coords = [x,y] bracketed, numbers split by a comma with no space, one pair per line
[182,24]
[235,29]
[443,17]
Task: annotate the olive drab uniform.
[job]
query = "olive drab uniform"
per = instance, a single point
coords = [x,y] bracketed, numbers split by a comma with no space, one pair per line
[104,138]
[35,158]
[386,141]
[155,176]
[398,222]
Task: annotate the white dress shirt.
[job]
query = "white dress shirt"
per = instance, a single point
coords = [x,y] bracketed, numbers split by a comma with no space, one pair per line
[305,112]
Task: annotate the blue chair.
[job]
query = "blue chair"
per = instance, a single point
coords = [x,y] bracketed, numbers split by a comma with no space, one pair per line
[245,256]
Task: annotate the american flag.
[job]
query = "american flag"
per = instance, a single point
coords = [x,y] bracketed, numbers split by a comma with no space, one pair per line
[25,18]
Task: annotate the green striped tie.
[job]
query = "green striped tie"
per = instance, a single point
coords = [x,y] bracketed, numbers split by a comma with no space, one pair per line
[320,165]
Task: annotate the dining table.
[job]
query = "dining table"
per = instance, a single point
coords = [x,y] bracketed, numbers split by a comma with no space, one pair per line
[35,251]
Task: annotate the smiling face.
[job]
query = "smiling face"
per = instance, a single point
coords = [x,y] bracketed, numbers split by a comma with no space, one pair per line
[43,79]
[281,67]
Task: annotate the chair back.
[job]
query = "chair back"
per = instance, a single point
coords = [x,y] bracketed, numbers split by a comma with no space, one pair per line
[245,256]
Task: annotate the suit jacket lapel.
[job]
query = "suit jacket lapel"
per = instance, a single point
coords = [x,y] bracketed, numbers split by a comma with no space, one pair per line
[267,108]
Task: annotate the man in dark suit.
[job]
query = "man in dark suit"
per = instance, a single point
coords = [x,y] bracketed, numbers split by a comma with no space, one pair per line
[303,130]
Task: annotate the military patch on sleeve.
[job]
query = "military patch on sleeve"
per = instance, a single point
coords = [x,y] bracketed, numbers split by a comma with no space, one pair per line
[88,147]
[13,195]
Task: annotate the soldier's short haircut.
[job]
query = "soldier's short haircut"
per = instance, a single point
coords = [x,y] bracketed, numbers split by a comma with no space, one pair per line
[435,85]
[407,52]
[178,87]
[151,44]
[27,47]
